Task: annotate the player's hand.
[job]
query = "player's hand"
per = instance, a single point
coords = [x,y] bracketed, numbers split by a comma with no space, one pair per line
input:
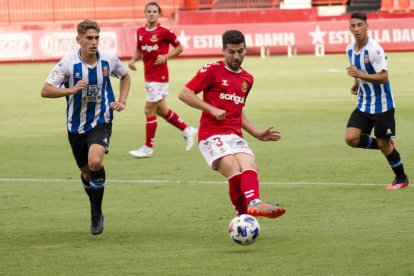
[353,71]
[80,85]
[354,89]
[117,106]
[219,114]
[269,134]
[160,60]
[132,66]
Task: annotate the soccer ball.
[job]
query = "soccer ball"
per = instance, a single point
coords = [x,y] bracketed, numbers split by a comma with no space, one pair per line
[244,229]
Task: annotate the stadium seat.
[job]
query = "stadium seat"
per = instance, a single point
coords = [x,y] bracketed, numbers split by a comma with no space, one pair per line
[404,5]
[190,5]
[387,6]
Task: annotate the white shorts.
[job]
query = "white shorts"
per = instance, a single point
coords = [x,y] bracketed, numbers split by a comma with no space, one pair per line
[218,146]
[156,91]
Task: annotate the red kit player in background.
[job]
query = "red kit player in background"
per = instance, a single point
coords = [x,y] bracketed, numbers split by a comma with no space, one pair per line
[225,86]
[153,42]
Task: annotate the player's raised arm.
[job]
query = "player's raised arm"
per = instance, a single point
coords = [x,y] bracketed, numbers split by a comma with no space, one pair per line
[379,78]
[50,91]
[190,98]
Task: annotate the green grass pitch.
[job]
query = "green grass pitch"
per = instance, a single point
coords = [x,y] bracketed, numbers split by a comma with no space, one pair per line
[168,215]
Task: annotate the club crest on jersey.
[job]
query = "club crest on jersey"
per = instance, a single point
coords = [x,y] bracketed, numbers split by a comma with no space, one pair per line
[105,71]
[366,59]
[154,38]
[245,86]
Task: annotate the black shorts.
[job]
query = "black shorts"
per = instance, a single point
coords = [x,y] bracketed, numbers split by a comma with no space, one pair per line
[384,123]
[80,143]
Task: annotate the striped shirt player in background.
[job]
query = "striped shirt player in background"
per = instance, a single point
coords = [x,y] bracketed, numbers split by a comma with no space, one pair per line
[83,78]
[375,108]
[225,86]
[153,42]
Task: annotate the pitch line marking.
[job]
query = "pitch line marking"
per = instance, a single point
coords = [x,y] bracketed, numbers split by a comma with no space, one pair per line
[190,181]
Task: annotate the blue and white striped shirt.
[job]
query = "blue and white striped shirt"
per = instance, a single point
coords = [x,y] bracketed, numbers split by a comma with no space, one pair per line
[372,98]
[88,107]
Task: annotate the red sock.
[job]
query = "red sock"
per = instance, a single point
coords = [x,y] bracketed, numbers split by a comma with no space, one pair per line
[150,128]
[173,119]
[236,195]
[249,185]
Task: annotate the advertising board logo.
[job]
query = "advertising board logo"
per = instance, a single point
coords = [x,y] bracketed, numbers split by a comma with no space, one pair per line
[15,45]
[58,44]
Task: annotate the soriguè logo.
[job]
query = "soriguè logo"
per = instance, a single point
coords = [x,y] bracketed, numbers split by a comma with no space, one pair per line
[232,97]
[149,48]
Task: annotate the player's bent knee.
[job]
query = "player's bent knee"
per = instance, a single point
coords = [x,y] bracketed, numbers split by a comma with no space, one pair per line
[95,164]
[352,141]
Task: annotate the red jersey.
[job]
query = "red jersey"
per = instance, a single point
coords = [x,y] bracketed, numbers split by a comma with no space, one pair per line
[153,43]
[224,89]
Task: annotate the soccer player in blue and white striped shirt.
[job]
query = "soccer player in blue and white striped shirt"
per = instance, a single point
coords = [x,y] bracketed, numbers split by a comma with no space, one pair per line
[83,78]
[375,108]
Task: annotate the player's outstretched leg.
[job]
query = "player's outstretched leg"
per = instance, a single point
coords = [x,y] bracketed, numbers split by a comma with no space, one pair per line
[249,185]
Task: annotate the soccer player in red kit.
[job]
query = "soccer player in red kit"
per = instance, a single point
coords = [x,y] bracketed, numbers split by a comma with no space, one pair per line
[225,86]
[153,42]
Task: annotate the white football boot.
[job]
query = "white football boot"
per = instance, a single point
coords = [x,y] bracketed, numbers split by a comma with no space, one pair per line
[190,134]
[142,152]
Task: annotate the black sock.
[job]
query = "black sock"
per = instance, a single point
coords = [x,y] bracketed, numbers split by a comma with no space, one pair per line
[97,181]
[87,187]
[396,164]
[367,142]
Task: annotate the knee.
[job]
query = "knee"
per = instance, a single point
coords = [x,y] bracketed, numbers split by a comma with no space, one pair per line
[149,112]
[160,113]
[352,140]
[385,146]
[95,164]
[162,110]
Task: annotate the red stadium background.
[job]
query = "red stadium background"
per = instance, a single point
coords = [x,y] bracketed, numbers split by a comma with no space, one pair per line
[45,29]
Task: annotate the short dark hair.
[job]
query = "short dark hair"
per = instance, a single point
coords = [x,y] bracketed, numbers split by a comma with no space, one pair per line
[233,37]
[153,4]
[85,25]
[359,15]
